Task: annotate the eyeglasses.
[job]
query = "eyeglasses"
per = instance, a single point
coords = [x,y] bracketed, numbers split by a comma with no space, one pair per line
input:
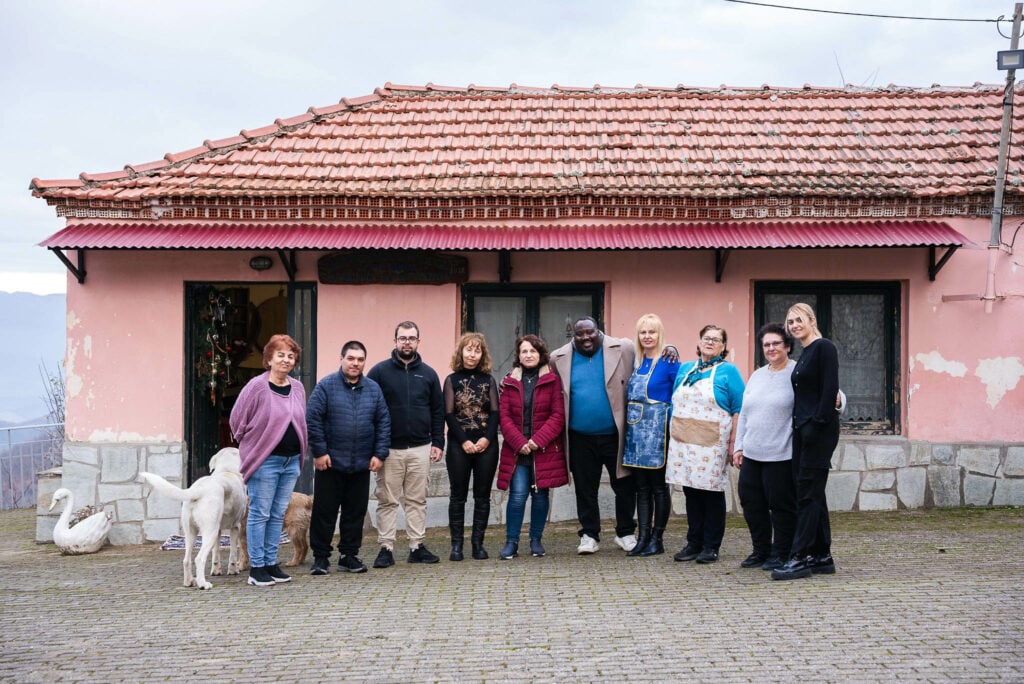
[711,340]
[771,345]
[405,340]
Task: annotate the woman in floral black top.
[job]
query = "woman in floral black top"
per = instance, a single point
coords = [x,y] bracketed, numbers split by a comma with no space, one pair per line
[471,411]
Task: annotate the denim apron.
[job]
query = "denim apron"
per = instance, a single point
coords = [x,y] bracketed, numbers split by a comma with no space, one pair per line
[699,437]
[646,425]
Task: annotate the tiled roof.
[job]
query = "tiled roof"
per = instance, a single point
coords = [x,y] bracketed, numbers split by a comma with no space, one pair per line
[432,141]
[521,235]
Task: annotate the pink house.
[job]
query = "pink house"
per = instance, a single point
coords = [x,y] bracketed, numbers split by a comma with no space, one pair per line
[513,210]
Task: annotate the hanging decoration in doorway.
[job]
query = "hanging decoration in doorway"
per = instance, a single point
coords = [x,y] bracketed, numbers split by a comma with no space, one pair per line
[213,361]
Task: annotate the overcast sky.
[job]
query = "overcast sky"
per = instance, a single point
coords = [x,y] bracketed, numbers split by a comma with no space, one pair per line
[93,85]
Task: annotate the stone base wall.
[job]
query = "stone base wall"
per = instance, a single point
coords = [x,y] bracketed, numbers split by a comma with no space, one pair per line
[107,475]
[868,474]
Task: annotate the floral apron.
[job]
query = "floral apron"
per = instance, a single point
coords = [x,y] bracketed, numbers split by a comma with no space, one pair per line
[646,425]
[699,437]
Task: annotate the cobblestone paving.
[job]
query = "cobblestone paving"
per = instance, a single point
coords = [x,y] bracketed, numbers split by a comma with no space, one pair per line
[918,596]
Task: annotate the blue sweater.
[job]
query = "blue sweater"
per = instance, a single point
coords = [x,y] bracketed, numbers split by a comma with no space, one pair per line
[728,384]
[349,422]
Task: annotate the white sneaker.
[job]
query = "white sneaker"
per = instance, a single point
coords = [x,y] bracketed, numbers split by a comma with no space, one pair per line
[626,543]
[587,545]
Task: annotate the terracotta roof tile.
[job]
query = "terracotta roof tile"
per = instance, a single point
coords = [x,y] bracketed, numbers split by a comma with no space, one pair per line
[687,142]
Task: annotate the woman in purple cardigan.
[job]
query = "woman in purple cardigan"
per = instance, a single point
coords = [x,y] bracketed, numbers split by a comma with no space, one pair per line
[533,454]
[268,421]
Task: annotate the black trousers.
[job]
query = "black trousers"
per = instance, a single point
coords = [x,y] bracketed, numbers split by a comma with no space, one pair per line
[768,496]
[588,454]
[335,491]
[813,445]
[461,467]
[705,518]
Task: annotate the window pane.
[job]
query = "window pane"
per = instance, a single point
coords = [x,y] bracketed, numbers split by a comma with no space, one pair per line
[858,331]
[557,315]
[500,319]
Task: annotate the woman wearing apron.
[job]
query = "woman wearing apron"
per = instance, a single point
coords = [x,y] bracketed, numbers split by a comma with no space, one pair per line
[649,396]
[706,398]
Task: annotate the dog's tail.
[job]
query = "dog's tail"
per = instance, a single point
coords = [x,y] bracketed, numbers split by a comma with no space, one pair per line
[167,489]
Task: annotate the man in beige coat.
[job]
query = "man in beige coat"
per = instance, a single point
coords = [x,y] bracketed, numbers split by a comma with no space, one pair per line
[595,370]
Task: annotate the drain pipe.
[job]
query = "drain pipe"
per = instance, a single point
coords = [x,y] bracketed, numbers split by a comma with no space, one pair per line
[995,239]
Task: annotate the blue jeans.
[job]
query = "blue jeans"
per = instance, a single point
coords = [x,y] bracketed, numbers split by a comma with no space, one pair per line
[518,490]
[270,490]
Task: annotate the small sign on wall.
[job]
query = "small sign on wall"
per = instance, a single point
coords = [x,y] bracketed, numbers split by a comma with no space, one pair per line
[391,267]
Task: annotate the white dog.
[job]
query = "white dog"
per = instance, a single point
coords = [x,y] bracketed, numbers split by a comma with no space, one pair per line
[213,503]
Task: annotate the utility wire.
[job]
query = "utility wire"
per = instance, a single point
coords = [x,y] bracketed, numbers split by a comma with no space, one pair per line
[862,14]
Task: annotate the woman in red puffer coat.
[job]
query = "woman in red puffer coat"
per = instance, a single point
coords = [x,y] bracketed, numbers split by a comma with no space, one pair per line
[533,453]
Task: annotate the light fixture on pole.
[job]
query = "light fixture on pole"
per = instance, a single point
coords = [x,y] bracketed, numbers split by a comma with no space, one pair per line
[1012,59]
[1009,59]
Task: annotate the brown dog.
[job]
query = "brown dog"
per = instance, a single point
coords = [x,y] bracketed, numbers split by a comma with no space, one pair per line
[296,524]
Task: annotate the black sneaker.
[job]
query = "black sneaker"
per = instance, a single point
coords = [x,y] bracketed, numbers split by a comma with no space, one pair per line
[421,555]
[385,559]
[707,556]
[689,553]
[277,574]
[350,563]
[259,577]
[753,560]
[823,565]
[321,566]
[795,568]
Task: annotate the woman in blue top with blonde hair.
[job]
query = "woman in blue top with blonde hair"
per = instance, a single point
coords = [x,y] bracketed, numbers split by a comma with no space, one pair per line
[649,397]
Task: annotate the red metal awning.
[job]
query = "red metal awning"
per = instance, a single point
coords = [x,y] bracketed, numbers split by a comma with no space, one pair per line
[489,236]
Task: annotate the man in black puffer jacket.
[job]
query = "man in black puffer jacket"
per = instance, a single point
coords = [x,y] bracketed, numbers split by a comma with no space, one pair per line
[413,394]
[349,432]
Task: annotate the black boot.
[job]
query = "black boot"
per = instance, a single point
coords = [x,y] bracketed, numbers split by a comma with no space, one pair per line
[643,517]
[481,512]
[662,507]
[656,546]
[456,527]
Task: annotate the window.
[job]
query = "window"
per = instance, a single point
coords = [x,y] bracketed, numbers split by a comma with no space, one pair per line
[863,320]
[506,312]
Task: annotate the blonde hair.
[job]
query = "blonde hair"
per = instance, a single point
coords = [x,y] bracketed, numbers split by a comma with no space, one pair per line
[655,321]
[471,338]
[808,313]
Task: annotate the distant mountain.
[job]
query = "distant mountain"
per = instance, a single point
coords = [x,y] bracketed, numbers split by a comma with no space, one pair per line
[34,328]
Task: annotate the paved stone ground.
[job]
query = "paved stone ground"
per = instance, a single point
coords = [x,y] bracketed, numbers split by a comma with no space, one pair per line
[918,596]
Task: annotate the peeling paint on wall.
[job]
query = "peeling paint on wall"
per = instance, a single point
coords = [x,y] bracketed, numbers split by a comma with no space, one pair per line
[87,346]
[72,320]
[913,388]
[934,362]
[999,376]
[72,380]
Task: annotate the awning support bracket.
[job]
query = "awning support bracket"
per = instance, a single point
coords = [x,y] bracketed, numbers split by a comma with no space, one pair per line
[935,266]
[504,266]
[79,270]
[288,261]
[721,257]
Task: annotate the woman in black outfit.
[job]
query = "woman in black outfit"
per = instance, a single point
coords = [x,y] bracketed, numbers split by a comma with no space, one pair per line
[815,437]
[471,412]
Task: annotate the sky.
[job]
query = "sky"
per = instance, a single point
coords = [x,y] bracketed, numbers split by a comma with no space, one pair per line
[94,85]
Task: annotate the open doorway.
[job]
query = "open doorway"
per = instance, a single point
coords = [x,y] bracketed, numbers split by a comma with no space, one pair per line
[226,328]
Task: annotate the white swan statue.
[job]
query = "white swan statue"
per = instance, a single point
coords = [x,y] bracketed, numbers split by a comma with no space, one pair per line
[88,536]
